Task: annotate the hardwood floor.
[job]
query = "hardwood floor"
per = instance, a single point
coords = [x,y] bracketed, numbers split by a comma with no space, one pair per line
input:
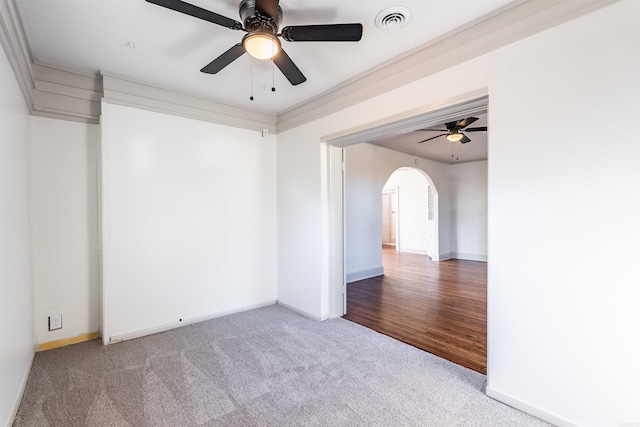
[440,307]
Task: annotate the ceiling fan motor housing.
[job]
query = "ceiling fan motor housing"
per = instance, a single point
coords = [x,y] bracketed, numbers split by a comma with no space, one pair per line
[253,21]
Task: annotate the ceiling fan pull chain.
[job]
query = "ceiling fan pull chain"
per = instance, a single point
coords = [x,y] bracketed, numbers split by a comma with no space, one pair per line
[251,78]
[273,76]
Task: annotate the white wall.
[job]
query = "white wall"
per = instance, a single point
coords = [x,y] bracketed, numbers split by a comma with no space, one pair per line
[64,188]
[413,210]
[564,333]
[189,220]
[300,239]
[563,339]
[469,210]
[17,344]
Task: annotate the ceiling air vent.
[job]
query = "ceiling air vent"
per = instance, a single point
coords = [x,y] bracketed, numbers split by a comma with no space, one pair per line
[393,18]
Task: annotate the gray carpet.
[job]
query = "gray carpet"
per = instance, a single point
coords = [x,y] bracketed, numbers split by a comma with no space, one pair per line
[265,367]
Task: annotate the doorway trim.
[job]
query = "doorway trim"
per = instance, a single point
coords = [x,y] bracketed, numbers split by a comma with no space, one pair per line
[468,104]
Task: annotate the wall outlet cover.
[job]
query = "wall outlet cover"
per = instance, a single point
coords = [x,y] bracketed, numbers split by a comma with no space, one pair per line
[55,322]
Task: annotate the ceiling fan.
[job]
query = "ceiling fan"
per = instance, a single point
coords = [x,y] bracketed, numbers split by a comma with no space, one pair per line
[261,19]
[454,130]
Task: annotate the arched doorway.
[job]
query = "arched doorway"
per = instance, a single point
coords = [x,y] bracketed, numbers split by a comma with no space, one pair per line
[409,212]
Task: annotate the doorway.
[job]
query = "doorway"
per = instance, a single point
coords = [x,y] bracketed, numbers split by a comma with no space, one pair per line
[441,233]
[411,224]
[389,216]
[336,186]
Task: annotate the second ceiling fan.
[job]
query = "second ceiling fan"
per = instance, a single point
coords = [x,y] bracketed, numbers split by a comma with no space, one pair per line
[261,20]
[454,130]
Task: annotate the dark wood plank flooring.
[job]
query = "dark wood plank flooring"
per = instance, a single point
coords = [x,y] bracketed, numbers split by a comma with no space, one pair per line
[439,307]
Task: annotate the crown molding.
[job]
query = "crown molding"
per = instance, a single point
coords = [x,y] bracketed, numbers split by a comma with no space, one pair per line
[14,43]
[123,91]
[48,90]
[509,24]
[65,93]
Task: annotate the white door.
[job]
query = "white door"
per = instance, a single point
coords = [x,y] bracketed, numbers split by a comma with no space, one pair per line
[389,213]
[386,218]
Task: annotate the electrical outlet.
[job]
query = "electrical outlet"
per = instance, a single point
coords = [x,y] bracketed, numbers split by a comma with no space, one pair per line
[55,322]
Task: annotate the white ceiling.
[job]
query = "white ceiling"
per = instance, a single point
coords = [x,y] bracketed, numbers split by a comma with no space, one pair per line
[440,149]
[171,48]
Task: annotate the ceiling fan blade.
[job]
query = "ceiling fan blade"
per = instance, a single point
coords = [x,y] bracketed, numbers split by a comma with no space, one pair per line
[225,59]
[464,139]
[466,122]
[434,130]
[198,12]
[288,68]
[433,137]
[478,129]
[323,33]
[451,125]
[268,8]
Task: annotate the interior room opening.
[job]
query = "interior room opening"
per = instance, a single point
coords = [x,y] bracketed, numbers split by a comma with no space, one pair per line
[440,242]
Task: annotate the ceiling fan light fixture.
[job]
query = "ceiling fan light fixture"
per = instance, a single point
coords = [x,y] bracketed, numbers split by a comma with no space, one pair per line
[455,136]
[261,45]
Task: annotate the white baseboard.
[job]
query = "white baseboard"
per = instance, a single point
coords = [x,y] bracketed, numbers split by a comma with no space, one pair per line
[169,326]
[300,312]
[461,255]
[23,387]
[470,257]
[413,251]
[529,409]
[365,274]
[445,256]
